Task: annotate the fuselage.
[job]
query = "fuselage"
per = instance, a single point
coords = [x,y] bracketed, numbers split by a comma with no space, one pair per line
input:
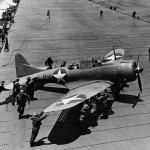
[121,70]
[116,71]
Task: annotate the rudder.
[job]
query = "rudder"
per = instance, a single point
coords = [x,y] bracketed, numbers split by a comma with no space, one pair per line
[23,68]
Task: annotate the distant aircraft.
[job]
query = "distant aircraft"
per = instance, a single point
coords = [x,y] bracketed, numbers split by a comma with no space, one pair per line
[83,82]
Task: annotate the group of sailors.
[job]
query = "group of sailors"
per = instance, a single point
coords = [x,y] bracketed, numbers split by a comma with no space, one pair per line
[115,8]
[100,106]
[8,17]
[22,94]
[49,63]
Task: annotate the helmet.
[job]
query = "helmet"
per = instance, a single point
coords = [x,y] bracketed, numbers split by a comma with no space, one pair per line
[28,78]
[64,61]
[85,106]
[109,90]
[2,82]
[98,95]
[92,99]
[35,114]
[17,79]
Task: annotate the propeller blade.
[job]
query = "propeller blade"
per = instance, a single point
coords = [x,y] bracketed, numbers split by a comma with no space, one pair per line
[136,101]
[138,62]
[139,82]
[114,53]
[138,70]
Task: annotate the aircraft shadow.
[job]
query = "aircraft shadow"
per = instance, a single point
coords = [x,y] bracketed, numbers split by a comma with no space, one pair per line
[55,89]
[7,100]
[27,116]
[40,142]
[129,99]
[48,89]
[67,127]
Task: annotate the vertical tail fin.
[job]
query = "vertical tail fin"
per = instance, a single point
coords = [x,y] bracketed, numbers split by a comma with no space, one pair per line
[116,54]
[23,68]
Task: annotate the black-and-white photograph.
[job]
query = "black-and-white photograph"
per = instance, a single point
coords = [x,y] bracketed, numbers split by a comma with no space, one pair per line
[74,74]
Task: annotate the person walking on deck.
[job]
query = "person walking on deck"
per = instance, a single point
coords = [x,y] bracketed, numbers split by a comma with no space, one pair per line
[48,14]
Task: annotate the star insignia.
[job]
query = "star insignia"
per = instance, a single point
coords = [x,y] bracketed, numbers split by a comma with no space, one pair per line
[67,100]
[59,75]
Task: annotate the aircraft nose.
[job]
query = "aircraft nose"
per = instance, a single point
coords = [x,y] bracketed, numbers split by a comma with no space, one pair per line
[139,70]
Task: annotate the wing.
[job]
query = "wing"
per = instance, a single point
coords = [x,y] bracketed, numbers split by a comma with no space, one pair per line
[78,95]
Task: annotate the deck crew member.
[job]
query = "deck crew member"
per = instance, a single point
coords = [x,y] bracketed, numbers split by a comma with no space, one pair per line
[36,123]
[30,87]
[99,104]
[2,88]
[101,13]
[134,14]
[16,90]
[84,117]
[63,64]
[49,62]
[104,103]
[48,14]
[27,87]
[110,98]
[21,99]
[93,112]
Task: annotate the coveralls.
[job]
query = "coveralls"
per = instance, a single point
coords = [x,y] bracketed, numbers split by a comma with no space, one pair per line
[49,62]
[110,98]
[103,102]
[2,88]
[84,117]
[36,123]
[134,14]
[101,13]
[16,90]
[63,64]
[30,88]
[93,112]
[48,14]
[21,99]
[99,104]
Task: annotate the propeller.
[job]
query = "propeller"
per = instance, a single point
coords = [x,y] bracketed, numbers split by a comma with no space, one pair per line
[138,70]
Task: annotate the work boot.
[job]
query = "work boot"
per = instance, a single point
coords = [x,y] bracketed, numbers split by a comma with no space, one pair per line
[20,116]
[32,144]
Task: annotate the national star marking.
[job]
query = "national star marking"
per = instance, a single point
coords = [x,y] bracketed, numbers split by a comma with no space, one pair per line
[60,76]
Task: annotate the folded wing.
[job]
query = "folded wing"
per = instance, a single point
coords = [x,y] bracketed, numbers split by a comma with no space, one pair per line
[78,95]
